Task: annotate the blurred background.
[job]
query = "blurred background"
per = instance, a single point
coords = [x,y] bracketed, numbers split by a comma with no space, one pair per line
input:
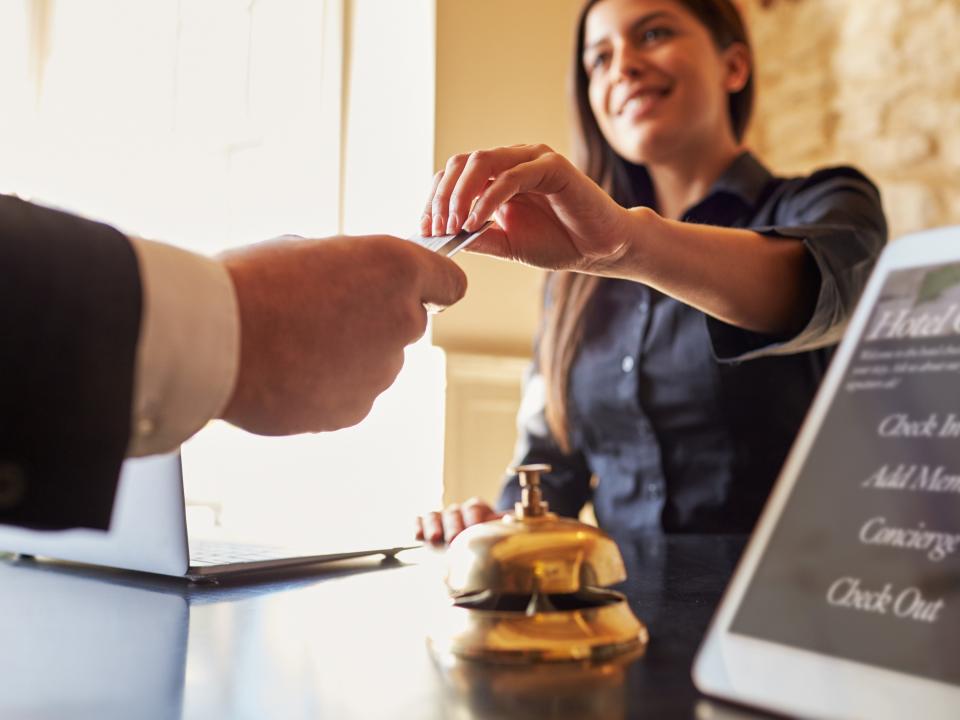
[212,123]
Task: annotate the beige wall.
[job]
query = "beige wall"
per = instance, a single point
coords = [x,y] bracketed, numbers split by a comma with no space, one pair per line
[875,83]
[501,79]
[502,70]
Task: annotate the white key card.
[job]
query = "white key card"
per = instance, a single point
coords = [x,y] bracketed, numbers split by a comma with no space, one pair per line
[450,245]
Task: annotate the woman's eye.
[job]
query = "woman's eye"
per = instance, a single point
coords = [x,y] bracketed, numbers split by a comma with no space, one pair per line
[597,61]
[655,34]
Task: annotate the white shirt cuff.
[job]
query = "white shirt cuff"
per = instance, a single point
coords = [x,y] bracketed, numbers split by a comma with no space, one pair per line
[188,352]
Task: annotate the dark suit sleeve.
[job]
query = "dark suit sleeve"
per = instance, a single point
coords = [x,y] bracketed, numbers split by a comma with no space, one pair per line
[70,301]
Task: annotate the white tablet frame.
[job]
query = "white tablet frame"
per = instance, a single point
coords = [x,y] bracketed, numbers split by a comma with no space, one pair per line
[801,682]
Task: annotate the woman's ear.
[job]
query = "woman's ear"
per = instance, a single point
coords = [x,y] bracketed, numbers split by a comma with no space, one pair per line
[738,66]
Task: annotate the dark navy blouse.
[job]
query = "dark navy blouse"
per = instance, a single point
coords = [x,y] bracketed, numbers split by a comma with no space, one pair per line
[678,420]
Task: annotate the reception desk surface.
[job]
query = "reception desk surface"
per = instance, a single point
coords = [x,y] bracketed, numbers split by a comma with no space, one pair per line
[344,641]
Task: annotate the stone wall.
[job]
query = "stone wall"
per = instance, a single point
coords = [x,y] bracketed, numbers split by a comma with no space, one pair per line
[873,83]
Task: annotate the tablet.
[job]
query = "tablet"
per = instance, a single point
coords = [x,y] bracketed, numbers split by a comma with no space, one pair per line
[846,602]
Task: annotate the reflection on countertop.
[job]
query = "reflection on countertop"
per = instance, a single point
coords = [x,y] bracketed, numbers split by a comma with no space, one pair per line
[336,642]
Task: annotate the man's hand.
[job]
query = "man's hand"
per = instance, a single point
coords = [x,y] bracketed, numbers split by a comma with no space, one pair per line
[323,325]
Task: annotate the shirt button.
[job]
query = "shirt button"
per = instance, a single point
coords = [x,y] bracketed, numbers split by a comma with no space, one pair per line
[627,363]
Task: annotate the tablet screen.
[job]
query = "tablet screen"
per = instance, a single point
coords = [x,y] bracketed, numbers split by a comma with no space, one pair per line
[864,563]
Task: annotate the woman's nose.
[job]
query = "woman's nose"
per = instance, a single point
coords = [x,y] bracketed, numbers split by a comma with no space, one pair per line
[627,63]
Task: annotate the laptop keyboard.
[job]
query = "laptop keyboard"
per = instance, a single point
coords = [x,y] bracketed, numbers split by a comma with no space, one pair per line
[205,553]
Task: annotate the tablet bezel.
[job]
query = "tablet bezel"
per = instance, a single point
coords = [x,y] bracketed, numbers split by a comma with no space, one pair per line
[792,680]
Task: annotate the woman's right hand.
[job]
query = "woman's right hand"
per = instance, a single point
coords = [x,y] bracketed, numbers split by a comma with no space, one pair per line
[442,527]
[548,213]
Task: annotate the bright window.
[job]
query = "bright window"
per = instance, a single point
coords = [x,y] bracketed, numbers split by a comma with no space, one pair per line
[213,123]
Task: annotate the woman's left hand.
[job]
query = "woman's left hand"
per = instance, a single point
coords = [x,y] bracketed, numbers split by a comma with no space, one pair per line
[548,213]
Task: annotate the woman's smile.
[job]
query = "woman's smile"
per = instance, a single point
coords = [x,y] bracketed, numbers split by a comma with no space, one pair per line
[641,101]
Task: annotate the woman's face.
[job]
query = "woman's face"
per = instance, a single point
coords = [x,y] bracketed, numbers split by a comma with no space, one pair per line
[658,84]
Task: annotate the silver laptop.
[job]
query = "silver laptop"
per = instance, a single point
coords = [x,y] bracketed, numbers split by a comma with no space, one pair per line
[148,532]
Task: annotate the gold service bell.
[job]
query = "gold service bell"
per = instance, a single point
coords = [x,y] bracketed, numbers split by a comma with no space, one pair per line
[530,587]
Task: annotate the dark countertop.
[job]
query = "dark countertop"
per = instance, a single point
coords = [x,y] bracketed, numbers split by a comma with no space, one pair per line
[343,641]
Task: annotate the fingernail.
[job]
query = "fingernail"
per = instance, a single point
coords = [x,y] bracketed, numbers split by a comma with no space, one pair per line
[471,222]
[437,225]
[452,224]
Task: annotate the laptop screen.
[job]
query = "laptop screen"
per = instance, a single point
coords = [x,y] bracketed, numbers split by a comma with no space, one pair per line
[147,528]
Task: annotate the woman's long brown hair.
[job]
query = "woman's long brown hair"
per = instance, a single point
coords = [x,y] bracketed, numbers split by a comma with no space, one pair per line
[570,293]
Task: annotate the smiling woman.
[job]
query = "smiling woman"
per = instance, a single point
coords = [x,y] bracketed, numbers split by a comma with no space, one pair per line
[696,296]
[700,64]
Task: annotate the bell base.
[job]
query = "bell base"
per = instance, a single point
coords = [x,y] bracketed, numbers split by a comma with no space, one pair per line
[515,637]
